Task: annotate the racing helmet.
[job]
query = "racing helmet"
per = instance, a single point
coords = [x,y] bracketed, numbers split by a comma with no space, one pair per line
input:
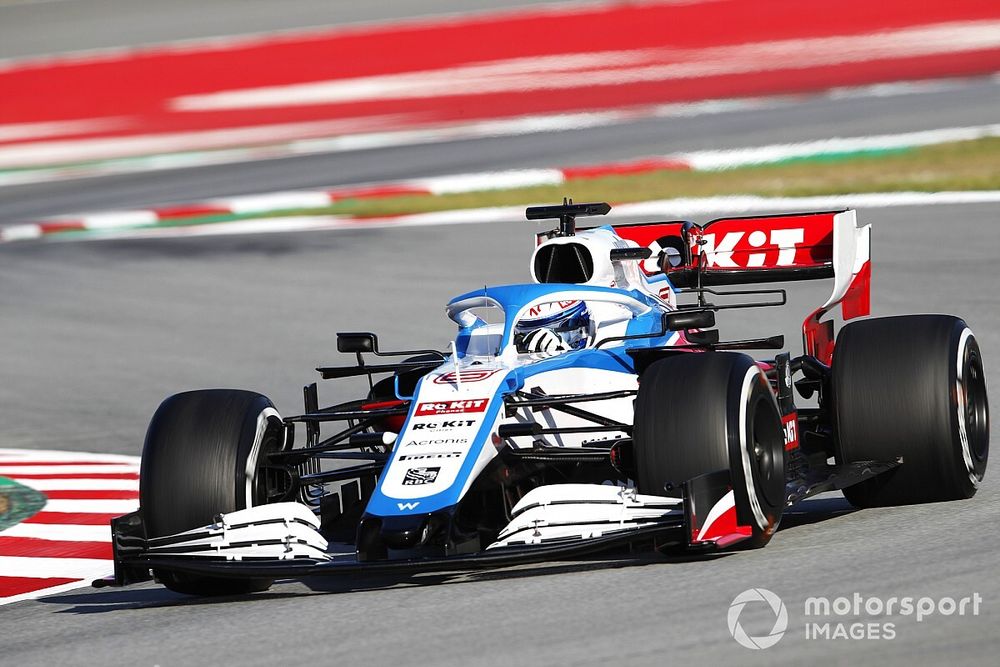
[567,320]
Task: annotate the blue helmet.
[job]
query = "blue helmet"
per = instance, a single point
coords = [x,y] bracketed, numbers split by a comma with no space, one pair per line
[569,320]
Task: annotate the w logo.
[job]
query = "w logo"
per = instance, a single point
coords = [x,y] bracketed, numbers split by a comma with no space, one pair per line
[408,506]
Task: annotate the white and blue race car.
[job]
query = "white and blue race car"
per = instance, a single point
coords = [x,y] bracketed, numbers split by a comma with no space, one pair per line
[593,408]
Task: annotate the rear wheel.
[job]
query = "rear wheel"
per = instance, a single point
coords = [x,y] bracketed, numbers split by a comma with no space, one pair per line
[201,458]
[912,387]
[700,413]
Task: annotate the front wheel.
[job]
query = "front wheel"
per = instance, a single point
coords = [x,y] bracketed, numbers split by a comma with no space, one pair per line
[913,387]
[201,458]
[699,413]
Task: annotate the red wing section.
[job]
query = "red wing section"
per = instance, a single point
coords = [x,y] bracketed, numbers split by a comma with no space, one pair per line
[784,242]
[747,250]
[800,246]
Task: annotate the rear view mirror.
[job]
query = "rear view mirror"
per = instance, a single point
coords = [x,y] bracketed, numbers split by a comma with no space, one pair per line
[683,320]
[362,341]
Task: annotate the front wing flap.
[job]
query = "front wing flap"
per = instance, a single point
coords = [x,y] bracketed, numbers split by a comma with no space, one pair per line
[292,542]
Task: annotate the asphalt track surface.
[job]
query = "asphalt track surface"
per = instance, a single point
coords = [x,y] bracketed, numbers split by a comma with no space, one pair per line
[95,334]
[803,118]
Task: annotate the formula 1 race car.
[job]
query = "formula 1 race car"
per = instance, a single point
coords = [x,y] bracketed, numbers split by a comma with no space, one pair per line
[594,408]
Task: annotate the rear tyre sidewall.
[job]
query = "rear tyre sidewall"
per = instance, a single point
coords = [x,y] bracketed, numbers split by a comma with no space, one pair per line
[702,412]
[200,459]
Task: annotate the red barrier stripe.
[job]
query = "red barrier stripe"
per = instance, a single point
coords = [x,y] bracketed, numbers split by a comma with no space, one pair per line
[76,475]
[64,226]
[99,494]
[137,90]
[37,548]
[62,462]
[195,210]
[376,192]
[72,518]
[17,585]
[636,167]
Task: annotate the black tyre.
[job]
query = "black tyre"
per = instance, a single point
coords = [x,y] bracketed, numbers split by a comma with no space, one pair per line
[700,413]
[911,386]
[200,459]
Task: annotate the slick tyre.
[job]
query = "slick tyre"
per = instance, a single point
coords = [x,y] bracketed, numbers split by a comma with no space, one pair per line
[912,387]
[201,458]
[700,413]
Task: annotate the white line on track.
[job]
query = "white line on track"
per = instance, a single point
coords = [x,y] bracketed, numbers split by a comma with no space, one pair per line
[82,568]
[186,157]
[82,471]
[90,506]
[55,590]
[612,68]
[62,455]
[41,153]
[751,203]
[61,532]
[80,484]
[716,160]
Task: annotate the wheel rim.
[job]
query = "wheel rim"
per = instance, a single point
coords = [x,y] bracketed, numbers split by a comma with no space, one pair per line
[975,409]
[268,481]
[768,464]
[268,438]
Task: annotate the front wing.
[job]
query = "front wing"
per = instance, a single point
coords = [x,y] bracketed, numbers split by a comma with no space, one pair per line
[280,544]
[273,546]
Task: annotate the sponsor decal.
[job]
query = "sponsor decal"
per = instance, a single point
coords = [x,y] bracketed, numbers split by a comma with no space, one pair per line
[451,407]
[416,476]
[548,308]
[436,455]
[443,425]
[466,375]
[437,441]
[17,502]
[408,506]
[791,426]
[722,253]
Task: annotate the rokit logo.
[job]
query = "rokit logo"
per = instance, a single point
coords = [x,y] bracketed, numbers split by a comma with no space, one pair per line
[423,457]
[723,253]
[437,441]
[790,424]
[416,476]
[443,425]
[451,407]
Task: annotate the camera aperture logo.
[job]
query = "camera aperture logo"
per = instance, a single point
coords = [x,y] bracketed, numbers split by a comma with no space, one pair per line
[858,617]
[766,597]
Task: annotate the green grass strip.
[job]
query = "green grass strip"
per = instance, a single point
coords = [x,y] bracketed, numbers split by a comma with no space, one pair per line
[964,165]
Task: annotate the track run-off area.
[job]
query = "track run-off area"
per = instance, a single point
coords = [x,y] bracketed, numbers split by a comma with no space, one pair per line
[54,533]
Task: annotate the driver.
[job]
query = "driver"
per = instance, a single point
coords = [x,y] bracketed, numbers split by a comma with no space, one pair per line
[551,328]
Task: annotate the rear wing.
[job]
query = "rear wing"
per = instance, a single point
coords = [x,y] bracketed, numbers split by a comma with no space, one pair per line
[760,249]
